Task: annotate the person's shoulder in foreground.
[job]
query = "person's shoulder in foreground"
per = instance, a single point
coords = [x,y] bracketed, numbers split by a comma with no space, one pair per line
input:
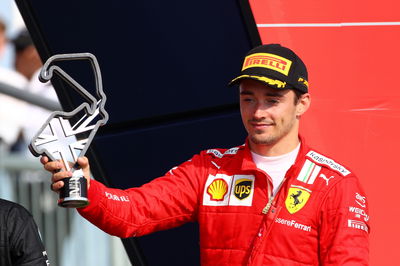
[20,241]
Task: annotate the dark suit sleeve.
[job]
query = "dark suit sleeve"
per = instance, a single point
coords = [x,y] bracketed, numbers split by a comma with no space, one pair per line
[26,246]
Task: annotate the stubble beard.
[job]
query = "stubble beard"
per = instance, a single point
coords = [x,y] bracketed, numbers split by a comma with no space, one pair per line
[260,140]
[270,139]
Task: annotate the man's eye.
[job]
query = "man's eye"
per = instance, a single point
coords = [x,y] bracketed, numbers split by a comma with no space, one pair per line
[273,101]
[247,99]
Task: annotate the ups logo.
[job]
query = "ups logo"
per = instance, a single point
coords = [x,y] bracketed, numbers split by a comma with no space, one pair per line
[242,188]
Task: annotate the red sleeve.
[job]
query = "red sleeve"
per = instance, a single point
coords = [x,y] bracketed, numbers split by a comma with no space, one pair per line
[345,227]
[163,203]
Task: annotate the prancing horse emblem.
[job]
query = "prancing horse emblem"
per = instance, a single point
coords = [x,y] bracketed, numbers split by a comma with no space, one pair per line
[297,198]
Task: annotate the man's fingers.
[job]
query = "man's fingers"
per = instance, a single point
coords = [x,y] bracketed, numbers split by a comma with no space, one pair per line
[44,159]
[60,175]
[83,161]
[53,166]
[57,186]
[59,172]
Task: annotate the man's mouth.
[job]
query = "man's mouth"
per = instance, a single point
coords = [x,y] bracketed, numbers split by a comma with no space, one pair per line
[261,125]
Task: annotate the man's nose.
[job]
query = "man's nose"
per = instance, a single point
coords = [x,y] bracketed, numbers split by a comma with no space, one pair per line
[260,110]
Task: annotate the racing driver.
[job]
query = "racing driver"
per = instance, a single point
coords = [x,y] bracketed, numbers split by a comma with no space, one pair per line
[288,203]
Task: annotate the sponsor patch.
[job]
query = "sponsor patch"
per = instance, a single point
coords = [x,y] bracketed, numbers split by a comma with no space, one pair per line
[224,190]
[116,197]
[293,223]
[309,172]
[361,200]
[297,198]
[243,188]
[219,154]
[217,190]
[358,213]
[357,225]
[328,162]
[209,197]
[231,151]
[270,61]
[216,153]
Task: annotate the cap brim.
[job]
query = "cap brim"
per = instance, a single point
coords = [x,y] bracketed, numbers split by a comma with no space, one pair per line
[274,83]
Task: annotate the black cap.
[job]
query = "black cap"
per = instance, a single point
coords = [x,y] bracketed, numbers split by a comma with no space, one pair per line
[22,40]
[276,66]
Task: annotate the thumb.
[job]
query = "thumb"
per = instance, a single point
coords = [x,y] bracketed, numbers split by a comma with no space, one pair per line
[84,164]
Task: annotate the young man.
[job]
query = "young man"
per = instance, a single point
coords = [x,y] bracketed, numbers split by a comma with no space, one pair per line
[272,201]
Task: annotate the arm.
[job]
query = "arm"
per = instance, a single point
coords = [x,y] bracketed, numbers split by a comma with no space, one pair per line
[344,223]
[163,203]
[26,247]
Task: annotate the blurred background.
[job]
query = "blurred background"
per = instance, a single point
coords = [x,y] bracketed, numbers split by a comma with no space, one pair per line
[69,239]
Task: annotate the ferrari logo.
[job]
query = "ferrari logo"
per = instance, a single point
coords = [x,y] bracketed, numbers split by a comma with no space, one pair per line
[296,199]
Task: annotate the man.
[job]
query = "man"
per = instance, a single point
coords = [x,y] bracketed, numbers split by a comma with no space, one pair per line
[272,201]
[27,59]
[28,63]
[11,122]
[20,242]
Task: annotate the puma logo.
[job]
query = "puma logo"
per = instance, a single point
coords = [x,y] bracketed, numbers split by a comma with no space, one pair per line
[216,165]
[326,178]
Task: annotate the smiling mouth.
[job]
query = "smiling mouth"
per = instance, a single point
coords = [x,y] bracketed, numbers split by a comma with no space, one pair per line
[261,123]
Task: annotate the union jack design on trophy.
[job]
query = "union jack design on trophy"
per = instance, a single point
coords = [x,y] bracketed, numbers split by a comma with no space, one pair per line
[65,136]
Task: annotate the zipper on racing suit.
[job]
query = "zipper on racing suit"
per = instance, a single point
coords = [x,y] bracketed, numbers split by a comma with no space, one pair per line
[269,211]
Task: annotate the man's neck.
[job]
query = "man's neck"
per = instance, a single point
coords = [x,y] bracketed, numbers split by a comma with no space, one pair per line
[282,147]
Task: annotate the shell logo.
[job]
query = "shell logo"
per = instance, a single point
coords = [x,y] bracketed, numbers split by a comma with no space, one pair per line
[217,189]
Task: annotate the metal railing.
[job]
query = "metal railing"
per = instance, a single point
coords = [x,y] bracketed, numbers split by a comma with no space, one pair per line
[68,238]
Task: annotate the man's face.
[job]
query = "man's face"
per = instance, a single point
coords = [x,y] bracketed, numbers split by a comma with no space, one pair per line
[269,115]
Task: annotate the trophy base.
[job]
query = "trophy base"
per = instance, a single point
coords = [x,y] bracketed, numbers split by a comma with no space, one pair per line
[73,202]
[74,192]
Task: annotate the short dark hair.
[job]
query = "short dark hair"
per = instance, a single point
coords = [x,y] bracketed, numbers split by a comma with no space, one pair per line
[297,95]
[22,40]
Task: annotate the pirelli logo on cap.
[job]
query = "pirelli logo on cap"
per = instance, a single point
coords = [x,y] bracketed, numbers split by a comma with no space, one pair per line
[269,61]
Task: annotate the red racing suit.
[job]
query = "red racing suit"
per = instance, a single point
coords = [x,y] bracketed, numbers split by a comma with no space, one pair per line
[318,217]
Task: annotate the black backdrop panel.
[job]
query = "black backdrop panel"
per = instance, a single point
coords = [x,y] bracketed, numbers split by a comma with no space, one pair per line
[150,51]
[165,68]
[149,152]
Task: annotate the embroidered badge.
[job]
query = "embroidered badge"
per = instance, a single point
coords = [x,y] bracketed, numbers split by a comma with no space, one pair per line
[309,172]
[297,198]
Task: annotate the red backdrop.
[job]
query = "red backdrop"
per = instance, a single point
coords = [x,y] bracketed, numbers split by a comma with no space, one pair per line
[352,51]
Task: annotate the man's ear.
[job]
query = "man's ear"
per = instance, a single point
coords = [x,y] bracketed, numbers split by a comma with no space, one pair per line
[303,104]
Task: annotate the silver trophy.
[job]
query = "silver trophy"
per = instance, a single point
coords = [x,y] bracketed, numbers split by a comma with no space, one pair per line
[65,136]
